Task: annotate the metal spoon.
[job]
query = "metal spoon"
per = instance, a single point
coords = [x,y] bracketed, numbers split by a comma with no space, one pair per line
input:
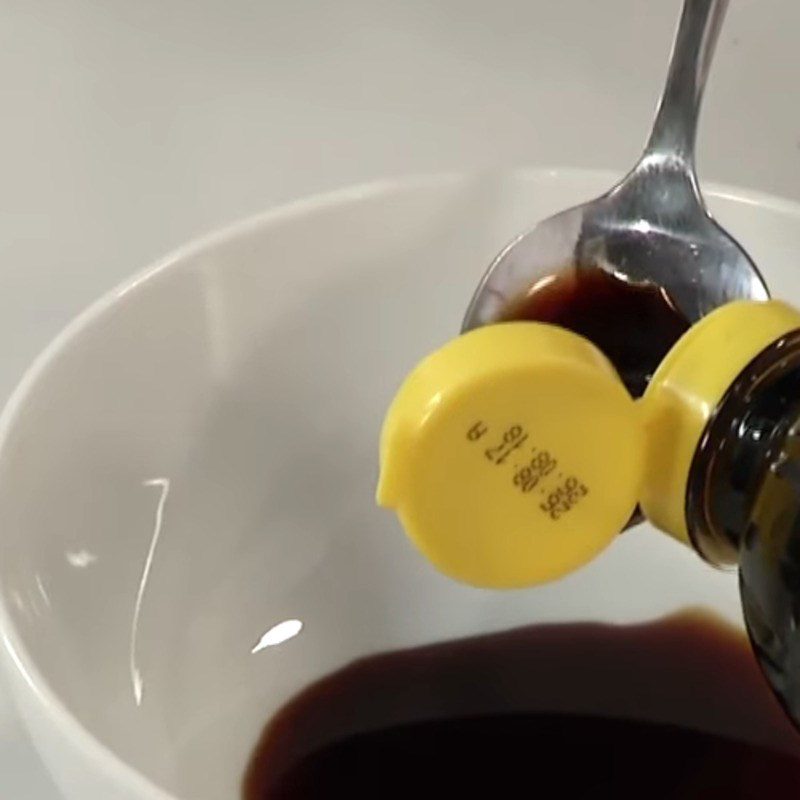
[653,226]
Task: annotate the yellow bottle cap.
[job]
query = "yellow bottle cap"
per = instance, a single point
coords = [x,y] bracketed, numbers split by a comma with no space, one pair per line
[512,455]
[685,391]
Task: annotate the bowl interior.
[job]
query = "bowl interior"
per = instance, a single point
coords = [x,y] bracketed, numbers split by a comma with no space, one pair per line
[194,463]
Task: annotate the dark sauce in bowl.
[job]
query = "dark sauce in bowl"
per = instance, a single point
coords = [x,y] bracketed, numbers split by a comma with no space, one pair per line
[671,709]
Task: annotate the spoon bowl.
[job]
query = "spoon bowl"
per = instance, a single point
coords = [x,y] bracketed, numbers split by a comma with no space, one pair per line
[652,227]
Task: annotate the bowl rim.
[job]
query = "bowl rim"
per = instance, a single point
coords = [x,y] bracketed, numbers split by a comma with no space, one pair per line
[70,728]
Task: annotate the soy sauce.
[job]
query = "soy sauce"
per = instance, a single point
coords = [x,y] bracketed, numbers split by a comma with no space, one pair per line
[671,709]
[634,324]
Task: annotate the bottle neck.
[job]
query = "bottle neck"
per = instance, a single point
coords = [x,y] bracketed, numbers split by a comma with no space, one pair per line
[743,441]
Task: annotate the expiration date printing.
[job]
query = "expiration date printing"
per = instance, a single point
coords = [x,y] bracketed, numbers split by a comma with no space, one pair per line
[538,465]
[564,498]
[512,440]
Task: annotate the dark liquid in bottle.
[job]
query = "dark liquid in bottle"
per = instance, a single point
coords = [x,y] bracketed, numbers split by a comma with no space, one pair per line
[634,325]
[672,709]
[744,499]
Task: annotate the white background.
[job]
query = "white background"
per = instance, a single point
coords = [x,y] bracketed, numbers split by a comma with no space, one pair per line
[129,126]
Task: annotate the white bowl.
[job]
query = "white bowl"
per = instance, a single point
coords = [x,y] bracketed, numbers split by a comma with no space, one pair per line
[193,461]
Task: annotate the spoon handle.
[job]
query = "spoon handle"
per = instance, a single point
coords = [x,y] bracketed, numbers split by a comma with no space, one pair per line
[675,125]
